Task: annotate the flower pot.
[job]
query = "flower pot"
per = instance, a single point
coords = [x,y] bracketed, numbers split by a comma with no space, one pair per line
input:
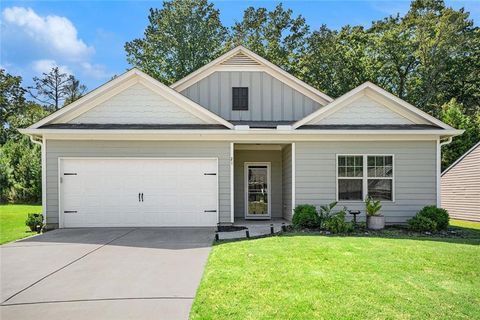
[376,222]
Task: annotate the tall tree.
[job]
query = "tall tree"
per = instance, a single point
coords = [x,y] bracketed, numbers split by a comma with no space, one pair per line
[275,35]
[73,90]
[50,88]
[181,37]
[12,101]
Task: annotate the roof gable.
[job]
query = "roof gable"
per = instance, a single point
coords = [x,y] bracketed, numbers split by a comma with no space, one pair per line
[473,152]
[140,105]
[242,59]
[133,96]
[370,104]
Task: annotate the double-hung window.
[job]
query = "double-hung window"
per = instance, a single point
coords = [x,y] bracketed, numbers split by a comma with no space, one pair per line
[359,176]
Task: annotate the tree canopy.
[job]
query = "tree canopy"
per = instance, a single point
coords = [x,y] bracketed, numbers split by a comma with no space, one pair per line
[180,38]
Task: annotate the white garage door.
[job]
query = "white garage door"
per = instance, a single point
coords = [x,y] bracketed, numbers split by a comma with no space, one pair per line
[138,192]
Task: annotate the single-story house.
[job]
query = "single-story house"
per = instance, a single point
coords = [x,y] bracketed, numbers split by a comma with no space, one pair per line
[461,186]
[237,139]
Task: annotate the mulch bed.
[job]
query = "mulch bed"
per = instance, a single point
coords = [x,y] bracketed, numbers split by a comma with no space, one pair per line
[230,228]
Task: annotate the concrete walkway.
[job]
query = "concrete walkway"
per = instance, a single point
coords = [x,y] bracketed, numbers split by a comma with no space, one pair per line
[104,273]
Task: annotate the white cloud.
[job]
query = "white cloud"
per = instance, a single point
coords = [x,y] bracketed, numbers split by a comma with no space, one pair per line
[45,65]
[96,71]
[54,33]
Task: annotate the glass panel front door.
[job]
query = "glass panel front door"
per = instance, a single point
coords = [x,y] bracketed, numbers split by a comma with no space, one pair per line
[257,190]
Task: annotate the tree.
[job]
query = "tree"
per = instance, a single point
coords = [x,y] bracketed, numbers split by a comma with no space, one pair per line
[453,114]
[20,172]
[274,35]
[50,89]
[73,90]
[337,61]
[12,101]
[181,37]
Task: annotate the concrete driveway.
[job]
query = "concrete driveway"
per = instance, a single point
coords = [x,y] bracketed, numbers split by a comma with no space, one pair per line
[104,273]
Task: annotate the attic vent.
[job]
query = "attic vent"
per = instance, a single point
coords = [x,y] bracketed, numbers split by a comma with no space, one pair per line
[240,59]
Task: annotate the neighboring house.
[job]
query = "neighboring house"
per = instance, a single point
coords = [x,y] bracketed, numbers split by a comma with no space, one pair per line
[237,139]
[461,186]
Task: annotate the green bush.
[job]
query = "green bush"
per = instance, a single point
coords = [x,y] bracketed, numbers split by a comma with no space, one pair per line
[421,224]
[305,216]
[437,215]
[34,222]
[336,223]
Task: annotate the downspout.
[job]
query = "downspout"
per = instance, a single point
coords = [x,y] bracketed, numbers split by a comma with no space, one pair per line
[44,175]
[439,168]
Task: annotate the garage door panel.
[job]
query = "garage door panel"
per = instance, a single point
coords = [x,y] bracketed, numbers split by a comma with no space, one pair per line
[104,192]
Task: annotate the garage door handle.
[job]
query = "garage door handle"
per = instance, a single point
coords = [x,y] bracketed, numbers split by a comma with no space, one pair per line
[139,199]
[142,196]
[209,210]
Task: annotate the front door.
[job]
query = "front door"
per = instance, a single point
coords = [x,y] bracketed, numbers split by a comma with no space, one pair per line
[257,190]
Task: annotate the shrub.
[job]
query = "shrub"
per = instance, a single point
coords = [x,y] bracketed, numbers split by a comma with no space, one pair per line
[421,224]
[437,215]
[34,221]
[305,216]
[336,223]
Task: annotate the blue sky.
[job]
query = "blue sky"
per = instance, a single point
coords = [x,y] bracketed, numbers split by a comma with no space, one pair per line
[86,38]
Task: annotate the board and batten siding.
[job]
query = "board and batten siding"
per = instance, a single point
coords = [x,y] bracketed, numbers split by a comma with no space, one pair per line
[461,187]
[275,159]
[136,149]
[269,98]
[414,174]
[287,181]
[138,104]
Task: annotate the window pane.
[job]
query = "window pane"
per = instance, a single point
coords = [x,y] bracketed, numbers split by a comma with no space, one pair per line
[350,172]
[350,161]
[341,171]
[358,171]
[379,172]
[350,189]
[359,161]
[379,161]
[380,189]
[388,171]
[388,160]
[341,161]
[371,171]
[371,161]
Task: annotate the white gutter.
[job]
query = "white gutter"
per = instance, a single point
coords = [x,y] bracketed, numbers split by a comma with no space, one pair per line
[44,176]
[239,131]
[439,168]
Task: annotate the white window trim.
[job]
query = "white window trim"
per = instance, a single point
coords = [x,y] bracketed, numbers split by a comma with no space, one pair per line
[364,177]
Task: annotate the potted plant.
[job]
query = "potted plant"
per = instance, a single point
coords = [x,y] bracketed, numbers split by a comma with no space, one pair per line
[375,220]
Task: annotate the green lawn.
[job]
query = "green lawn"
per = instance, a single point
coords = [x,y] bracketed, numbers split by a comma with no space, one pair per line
[12,221]
[302,276]
[465,224]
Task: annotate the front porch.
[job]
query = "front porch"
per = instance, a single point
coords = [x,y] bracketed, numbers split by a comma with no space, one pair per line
[262,184]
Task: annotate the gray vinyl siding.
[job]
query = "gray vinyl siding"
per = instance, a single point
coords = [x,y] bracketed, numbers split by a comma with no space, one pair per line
[275,159]
[75,148]
[287,181]
[461,188]
[414,174]
[269,98]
